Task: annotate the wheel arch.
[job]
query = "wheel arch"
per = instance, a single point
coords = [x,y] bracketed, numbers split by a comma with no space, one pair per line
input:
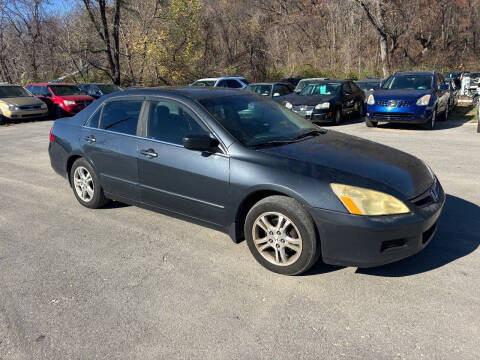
[253,197]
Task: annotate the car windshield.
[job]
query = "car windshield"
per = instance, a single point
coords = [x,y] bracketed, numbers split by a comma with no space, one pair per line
[109,88]
[254,121]
[13,91]
[325,88]
[260,89]
[413,82]
[367,85]
[204,83]
[60,90]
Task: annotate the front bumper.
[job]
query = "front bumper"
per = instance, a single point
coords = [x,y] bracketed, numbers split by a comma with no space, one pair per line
[369,241]
[314,115]
[27,114]
[406,115]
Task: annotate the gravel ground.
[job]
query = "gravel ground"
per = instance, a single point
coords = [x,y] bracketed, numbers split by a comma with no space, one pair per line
[126,283]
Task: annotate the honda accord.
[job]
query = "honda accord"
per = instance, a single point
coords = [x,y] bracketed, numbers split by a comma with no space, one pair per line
[247,166]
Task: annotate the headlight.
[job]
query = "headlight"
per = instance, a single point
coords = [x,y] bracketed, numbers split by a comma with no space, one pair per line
[360,201]
[68,102]
[288,105]
[371,100]
[424,100]
[13,107]
[325,105]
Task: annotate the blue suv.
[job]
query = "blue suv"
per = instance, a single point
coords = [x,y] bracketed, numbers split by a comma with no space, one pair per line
[410,98]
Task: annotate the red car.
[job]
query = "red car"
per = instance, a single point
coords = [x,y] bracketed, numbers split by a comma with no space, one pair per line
[62,99]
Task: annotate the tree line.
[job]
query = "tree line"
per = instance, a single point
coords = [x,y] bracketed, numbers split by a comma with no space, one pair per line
[168,42]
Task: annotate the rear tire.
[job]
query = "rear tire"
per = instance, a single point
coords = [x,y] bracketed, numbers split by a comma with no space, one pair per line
[86,185]
[281,235]
[3,120]
[446,113]
[371,123]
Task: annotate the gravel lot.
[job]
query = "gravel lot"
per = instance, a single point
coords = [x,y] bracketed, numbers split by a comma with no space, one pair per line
[127,283]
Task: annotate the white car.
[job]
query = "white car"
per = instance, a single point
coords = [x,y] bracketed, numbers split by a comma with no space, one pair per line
[233,82]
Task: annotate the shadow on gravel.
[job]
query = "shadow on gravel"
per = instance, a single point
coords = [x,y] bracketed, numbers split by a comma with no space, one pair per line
[458,235]
[114,205]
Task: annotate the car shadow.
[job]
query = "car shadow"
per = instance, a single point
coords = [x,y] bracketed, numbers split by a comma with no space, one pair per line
[114,205]
[458,235]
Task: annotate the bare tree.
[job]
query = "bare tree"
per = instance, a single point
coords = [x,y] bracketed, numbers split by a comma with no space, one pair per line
[97,12]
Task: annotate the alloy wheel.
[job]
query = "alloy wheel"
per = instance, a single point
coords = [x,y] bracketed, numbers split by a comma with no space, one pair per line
[83,183]
[277,238]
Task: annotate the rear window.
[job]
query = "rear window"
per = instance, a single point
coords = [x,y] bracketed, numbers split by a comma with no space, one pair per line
[204,83]
[121,116]
[60,90]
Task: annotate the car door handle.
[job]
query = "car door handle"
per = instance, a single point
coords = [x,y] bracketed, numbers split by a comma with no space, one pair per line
[150,153]
[90,139]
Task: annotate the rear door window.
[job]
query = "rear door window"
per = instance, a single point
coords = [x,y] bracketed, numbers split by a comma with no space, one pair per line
[234,84]
[121,116]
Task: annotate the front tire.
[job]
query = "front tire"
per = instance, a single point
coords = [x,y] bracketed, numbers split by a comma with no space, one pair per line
[281,235]
[430,125]
[86,185]
[338,116]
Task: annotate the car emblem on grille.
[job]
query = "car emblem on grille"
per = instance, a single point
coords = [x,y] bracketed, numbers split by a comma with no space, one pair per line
[434,194]
[392,103]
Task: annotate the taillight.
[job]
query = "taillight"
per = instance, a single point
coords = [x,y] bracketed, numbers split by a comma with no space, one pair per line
[52,138]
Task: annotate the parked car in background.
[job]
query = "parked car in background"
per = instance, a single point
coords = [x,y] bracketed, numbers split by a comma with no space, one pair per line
[455,75]
[368,85]
[328,101]
[304,82]
[275,90]
[474,80]
[409,97]
[16,103]
[97,90]
[232,82]
[62,99]
[291,80]
[454,91]
[240,163]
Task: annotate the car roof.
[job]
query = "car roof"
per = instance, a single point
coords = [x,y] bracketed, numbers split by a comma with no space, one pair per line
[310,79]
[271,83]
[220,78]
[48,84]
[369,80]
[415,72]
[195,93]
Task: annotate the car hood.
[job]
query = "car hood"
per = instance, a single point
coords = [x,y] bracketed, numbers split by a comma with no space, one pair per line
[400,94]
[296,99]
[22,101]
[337,157]
[76,97]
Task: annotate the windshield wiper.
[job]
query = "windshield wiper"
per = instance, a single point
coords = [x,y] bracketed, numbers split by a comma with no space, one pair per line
[315,132]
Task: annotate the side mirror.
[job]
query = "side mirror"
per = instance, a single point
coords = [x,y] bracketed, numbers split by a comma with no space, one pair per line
[443,87]
[200,143]
[276,94]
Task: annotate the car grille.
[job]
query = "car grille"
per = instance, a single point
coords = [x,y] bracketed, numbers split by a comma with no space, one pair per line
[391,116]
[394,103]
[30,107]
[302,108]
[428,197]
